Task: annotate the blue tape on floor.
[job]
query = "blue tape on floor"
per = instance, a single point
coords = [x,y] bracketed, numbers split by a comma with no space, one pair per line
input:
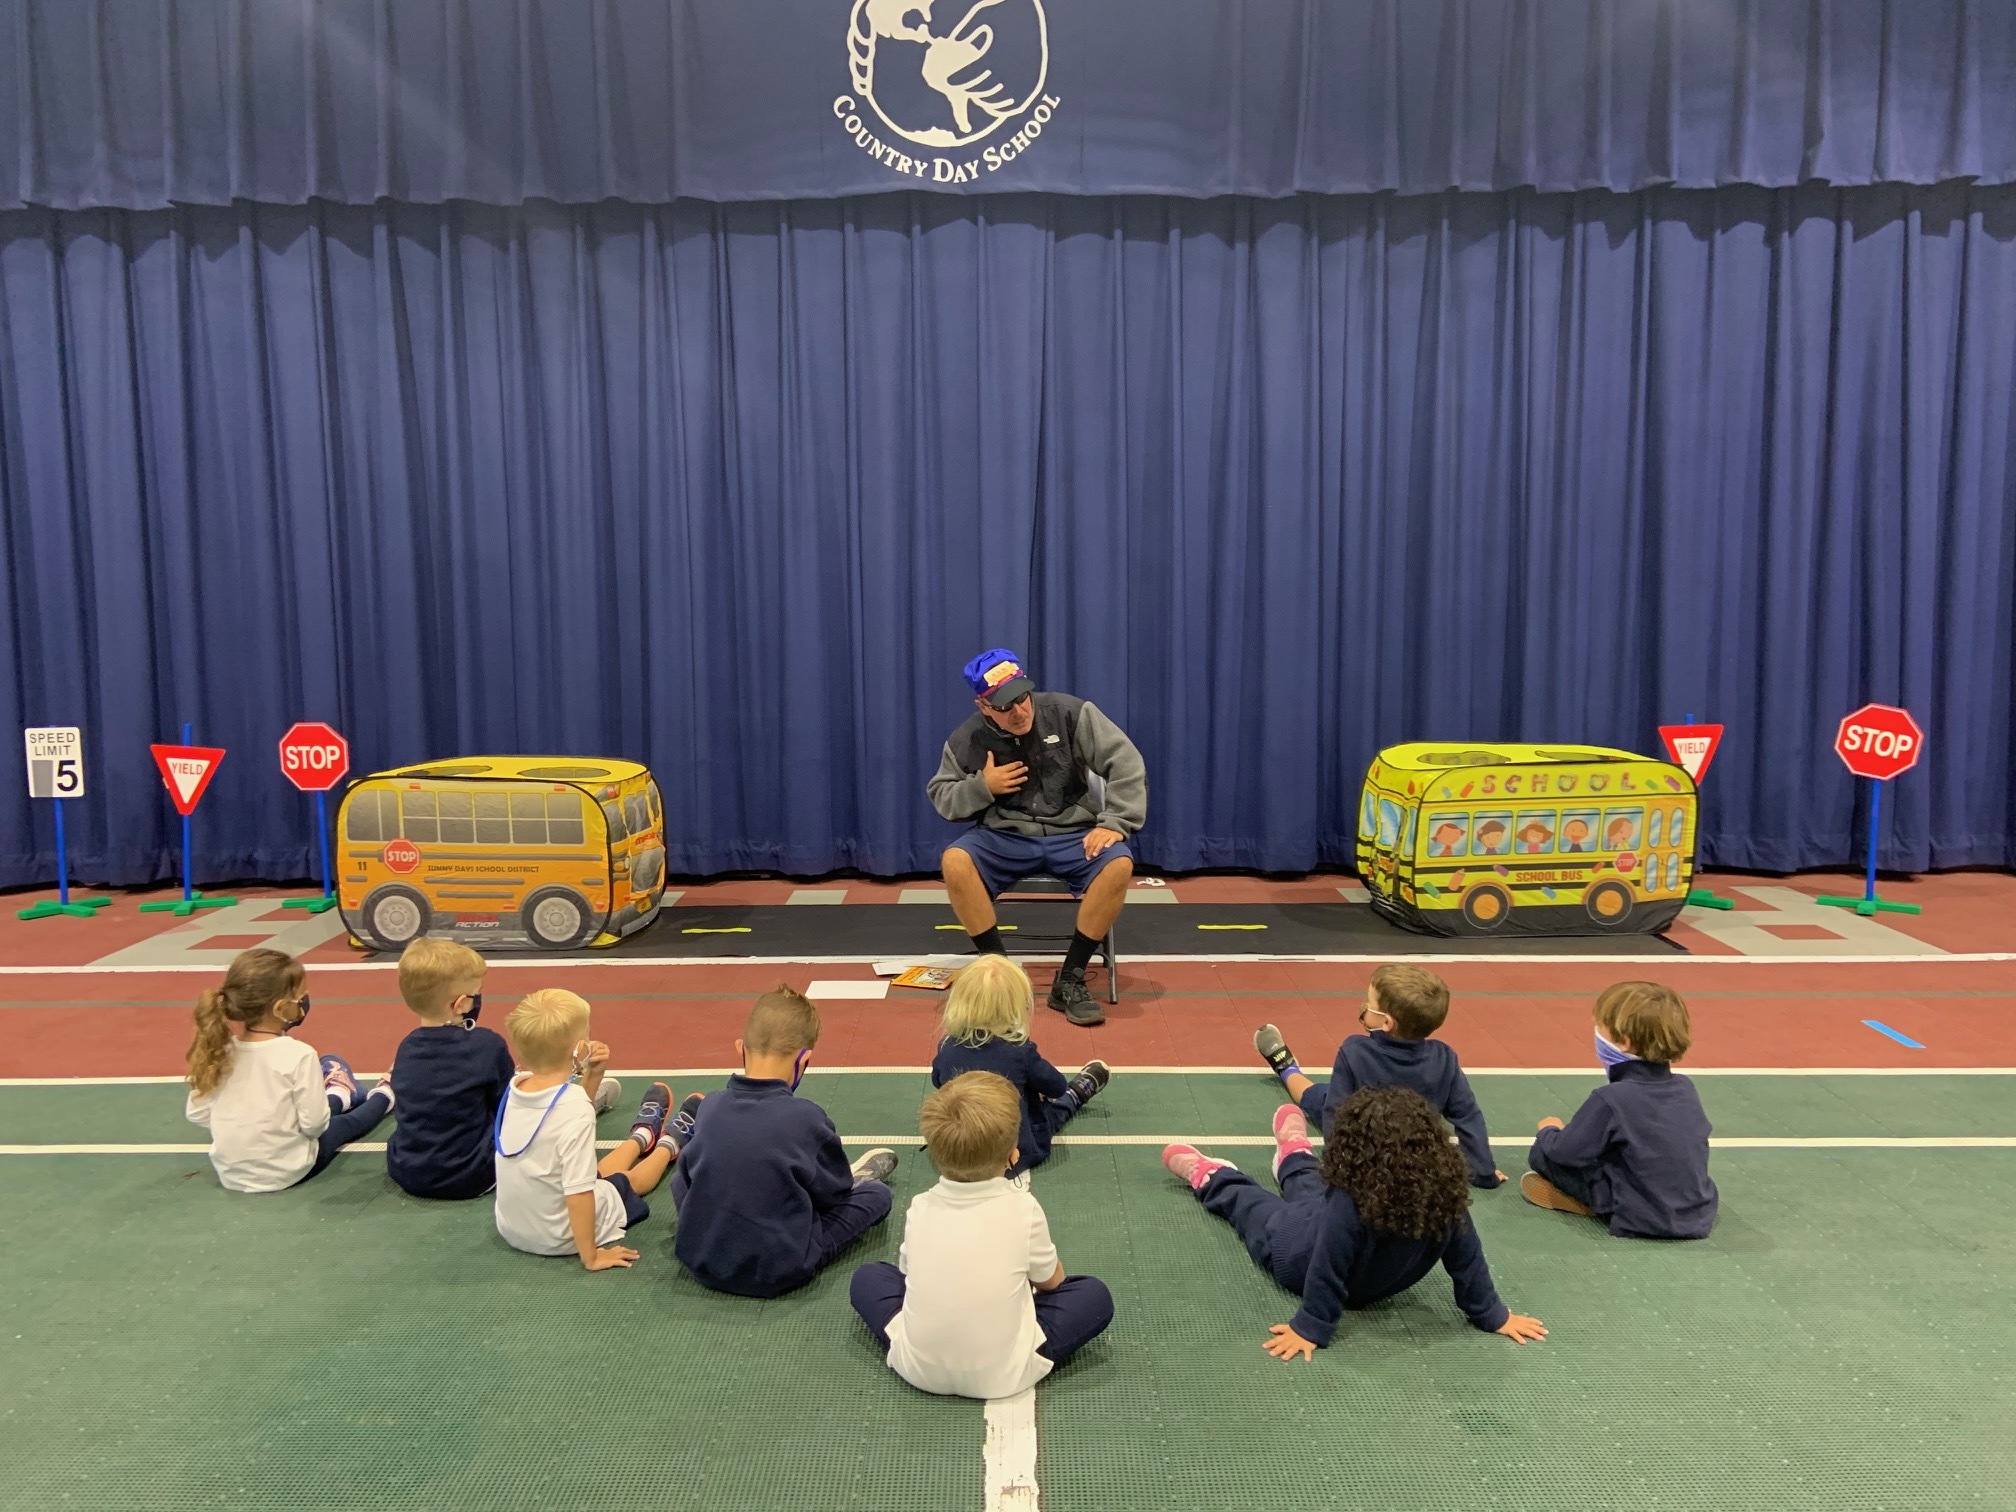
[1903,1039]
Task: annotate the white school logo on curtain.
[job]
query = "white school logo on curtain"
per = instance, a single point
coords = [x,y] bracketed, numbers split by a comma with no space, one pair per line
[971,75]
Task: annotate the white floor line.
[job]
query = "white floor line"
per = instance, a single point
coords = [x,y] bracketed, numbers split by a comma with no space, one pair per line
[1011,1454]
[1156,1141]
[537,962]
[688,1073]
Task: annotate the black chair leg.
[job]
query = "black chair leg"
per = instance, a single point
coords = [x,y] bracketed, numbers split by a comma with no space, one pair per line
[1112,973]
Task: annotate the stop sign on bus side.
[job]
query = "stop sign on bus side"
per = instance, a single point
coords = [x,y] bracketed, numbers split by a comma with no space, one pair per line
[1880,741]
[314,757]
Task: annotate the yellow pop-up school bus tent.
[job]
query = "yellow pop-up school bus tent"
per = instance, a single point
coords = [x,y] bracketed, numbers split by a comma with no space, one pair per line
[538,852]
[1526,839]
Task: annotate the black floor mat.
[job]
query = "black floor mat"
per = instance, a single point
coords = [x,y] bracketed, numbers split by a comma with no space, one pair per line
[882,930]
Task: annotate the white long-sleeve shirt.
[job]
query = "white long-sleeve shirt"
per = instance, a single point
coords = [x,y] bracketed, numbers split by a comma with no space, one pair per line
[266,1115]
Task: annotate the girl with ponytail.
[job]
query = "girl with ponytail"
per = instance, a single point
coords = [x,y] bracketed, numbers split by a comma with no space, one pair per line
[275,1113]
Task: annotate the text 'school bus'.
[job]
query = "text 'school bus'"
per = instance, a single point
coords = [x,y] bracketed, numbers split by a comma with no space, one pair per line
[1522,839]
[549,852]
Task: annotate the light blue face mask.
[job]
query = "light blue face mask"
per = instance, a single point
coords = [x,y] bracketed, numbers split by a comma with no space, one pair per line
[1609,1054]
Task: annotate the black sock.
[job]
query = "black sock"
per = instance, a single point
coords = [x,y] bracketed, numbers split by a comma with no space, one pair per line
[1080,952]
[988,941]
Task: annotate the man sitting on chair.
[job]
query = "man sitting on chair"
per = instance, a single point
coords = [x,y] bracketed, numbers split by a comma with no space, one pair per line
[1020,768]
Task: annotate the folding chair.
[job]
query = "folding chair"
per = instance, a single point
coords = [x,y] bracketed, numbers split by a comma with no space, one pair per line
[1057,892]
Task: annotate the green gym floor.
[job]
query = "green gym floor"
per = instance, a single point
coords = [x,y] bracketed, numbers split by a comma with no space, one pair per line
[1845,1340]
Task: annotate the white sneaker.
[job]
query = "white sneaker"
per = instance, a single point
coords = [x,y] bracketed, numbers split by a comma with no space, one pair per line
[607,1093]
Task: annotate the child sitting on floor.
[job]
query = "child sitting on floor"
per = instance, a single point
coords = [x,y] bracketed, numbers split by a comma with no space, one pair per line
[1383,1205]
[986,1028]
[553,1197]
[451,1074]
[1636,1152]
[766,1197]
[276,1114]
[977,1304]
[1403,1006]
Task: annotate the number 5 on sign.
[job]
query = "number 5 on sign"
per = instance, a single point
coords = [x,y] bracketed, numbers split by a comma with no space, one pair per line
[56,762]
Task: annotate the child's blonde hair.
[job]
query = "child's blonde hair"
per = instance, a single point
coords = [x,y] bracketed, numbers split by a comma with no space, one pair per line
[546,1026]
[429,967]
[990,999]
[781,1022]
[253,983]
[970,1125]
[1648,1018]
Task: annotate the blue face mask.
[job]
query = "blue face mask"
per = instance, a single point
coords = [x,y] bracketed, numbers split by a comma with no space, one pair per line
[1609,1054]
[798,1071]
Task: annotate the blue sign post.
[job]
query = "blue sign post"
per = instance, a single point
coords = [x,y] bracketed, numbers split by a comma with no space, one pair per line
[56,772]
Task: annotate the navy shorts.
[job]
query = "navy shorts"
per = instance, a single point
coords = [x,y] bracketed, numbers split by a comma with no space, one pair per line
[1003,859]
[635,1208]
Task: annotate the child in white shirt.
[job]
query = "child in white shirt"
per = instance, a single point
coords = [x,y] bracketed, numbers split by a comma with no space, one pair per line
[276,1114]
[552,1196]
[977,1304]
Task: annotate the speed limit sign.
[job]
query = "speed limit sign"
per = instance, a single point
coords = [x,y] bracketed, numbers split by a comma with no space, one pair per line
[55,762]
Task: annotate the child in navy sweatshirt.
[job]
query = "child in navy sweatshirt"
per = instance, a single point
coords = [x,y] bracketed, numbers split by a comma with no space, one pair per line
[1403,1006]
[985,1027]
[766,1197]
[1372,1217]
[1636,1152]
[452,1076]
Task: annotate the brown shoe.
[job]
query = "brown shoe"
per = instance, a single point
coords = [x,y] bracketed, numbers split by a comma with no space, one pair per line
[1541,1192]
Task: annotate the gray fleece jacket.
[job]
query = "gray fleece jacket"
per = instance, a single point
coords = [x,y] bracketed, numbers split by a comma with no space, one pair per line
[1069,740]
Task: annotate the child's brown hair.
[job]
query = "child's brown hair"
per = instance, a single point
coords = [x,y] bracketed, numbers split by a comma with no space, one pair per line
[1416,1000]
[782,1022]
[429,967]
[970,1125]
[1647,1018]
[253,983]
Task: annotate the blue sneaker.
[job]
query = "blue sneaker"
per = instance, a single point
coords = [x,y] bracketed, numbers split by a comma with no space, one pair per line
[679,1127]
[338,1078]
[651,1113]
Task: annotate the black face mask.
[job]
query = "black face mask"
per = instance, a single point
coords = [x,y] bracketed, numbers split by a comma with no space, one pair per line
[475,1007]
[304,1005]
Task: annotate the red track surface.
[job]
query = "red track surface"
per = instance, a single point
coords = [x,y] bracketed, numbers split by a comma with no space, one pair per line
[1505,1014]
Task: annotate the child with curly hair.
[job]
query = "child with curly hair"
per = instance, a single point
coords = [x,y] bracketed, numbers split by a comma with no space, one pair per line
[1386,1201]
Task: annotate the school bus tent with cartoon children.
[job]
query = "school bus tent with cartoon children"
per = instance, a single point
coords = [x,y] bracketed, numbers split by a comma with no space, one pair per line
[542,852]
[1526,839]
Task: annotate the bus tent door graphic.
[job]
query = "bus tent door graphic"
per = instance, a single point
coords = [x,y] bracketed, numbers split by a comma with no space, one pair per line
[502,852]
[1476,839]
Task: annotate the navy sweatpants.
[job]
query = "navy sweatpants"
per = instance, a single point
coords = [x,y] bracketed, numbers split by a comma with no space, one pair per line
[1574,1180]
[1279,1232]
[346,1128]
[1071,1315]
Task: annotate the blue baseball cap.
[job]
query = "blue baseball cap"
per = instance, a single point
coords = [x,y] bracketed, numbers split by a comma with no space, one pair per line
[997,676]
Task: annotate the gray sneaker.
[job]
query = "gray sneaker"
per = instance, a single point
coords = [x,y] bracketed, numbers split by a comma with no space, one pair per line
[607,1093]
[875,1165]
[1273,1049]
[1069,997]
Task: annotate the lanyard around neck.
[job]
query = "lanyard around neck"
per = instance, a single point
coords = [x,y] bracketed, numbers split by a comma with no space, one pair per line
[497,1129]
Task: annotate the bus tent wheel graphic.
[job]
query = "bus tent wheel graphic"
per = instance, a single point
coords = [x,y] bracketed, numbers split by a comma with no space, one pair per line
[1609,904]
[396,916]
[558,917]
[1487,906]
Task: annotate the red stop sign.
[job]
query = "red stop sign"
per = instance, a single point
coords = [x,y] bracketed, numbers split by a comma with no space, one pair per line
[314,757]
[401,856]
[1879,741]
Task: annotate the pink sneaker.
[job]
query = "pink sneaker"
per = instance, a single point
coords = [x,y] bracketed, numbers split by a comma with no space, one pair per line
[1188,1163]
[1291,1135]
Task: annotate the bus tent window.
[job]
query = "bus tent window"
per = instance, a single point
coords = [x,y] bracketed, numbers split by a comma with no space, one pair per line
[423,817]
[657,802]
[1389,824]
[528,819]
[1620,828]
[1448,835]
[1535,834]
[563,819]
[1494,834]
[637,813]
[1578,832]
[1677,832]
[458,819]
[1673,871]
[1407,844]
[612,815]
[1368,815]
[1658,827]
[493,818]
[373,816]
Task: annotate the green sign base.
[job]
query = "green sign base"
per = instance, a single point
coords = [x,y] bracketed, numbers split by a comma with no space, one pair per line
[1869,906]
[183,907]
[76,908]
[312,905]
[1701,897]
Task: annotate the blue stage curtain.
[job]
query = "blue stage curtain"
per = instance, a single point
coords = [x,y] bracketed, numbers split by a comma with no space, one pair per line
[143,104]
[735,490]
